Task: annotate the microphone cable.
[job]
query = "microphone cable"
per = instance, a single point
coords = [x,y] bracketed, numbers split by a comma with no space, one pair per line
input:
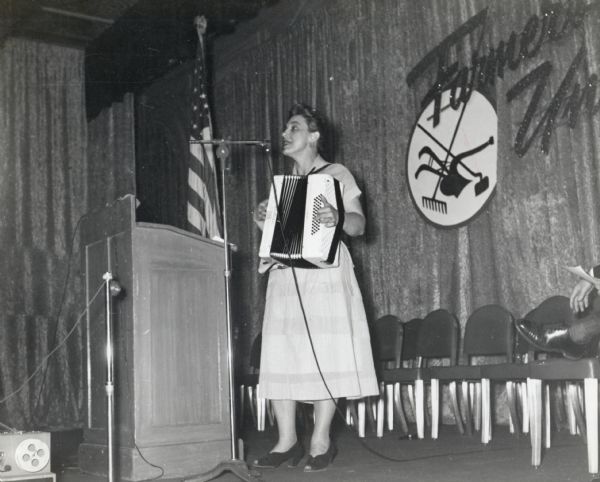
[62,342]
[60,308]
[287,251]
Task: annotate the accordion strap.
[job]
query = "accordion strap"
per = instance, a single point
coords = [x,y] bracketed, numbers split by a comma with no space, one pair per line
[319,169]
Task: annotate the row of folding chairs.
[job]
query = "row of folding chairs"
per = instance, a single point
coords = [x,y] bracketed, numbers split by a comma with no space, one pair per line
[425,353]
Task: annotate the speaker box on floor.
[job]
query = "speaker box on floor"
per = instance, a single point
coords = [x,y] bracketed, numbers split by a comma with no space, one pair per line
[25,456]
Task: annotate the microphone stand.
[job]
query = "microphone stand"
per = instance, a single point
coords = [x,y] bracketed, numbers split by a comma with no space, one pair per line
[112,288]
[236,465]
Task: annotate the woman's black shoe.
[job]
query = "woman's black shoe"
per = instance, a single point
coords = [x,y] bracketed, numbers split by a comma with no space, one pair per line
[273,460]
[319,463]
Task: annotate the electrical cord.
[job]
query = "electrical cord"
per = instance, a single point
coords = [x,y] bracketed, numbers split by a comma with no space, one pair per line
[162,471]
[59,345]
[10,429]
[64,291]
[60,308]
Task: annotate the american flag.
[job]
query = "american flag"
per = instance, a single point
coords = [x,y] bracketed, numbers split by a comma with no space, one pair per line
[203,212]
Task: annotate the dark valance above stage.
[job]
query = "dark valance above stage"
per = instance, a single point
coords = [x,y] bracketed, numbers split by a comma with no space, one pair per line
[151,39]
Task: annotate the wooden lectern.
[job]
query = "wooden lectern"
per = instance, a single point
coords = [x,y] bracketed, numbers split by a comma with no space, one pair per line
[170,348]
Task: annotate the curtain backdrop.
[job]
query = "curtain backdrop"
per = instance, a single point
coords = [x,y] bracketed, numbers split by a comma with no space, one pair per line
[43,192]
[48,180]
[350,59]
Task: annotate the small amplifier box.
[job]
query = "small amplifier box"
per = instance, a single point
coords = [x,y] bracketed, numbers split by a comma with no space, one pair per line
[25,456]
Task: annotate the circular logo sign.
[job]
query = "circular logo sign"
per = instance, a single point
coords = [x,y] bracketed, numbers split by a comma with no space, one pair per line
[451,167]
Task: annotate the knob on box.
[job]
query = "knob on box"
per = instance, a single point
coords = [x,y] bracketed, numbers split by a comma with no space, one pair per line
[25,456]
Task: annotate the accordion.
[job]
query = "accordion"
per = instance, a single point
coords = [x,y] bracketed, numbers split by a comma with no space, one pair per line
[292,233]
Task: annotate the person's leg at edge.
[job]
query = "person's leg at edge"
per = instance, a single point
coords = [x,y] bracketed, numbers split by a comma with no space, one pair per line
[285,414]
[324,412]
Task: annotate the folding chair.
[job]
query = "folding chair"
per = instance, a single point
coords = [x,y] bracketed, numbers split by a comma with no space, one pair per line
[556,310]
[489,332]
[437,338]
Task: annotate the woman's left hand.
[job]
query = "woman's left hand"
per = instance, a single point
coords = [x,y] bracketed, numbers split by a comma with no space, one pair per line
[328,215]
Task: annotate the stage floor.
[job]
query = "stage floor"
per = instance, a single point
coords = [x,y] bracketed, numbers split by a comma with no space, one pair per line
[451,458]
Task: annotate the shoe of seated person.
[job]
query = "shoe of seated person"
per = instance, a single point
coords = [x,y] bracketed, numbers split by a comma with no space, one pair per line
[552,339]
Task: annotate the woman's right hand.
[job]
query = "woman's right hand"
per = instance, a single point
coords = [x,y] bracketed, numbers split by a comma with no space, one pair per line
[580,296]
[260,213]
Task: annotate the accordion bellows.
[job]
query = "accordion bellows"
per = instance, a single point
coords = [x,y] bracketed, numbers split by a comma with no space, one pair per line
[292,234]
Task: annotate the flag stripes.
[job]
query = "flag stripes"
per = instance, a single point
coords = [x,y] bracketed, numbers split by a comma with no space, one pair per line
[203,211]
[199,201]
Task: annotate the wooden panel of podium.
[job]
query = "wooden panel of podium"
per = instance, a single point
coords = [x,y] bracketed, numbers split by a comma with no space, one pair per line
[170,348]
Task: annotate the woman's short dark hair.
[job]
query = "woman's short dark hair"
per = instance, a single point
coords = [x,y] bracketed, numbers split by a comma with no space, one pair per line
[314,121]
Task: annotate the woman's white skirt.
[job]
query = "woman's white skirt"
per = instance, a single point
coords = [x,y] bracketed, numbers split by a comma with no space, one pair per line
[337,325]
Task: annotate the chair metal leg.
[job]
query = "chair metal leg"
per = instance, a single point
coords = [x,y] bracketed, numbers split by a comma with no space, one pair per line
[420,408]
[522,388]
[534,392]
[435,408]
[547,417]
[252,403]
[410,391]
[581,402]
[371,412]
[486,409]
[591,412]
[242,405]
[475,390]
[467,408]
[260,410]
[574,401]
[571,411]
[389,404]
[455,407]
[426,413]
[559,407]
[361,417]
[270,412]
[380,416]
[352,412]
[400,408]
[512,406]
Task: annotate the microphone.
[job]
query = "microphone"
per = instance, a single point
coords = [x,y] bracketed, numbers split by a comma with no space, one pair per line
[114,287]
[222,142]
